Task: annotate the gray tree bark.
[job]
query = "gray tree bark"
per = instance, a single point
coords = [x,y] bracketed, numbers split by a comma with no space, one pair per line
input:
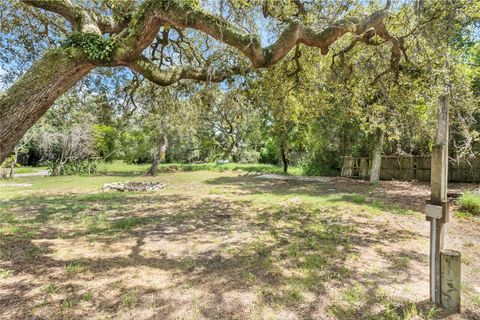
[376,157]
[154,167]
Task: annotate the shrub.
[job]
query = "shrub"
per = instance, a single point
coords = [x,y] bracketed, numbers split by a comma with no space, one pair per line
[249,156]
[68,151]
[470,202]
[6,168]
[72,167]
[269,153]
[314,167]
[134,146]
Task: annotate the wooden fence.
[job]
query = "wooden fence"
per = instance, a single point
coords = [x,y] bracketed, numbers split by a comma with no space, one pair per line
[410,168]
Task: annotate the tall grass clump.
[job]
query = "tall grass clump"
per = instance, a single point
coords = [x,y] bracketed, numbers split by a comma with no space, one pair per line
[469,202]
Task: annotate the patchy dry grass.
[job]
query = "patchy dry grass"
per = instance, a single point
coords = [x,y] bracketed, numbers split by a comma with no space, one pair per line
[216,245]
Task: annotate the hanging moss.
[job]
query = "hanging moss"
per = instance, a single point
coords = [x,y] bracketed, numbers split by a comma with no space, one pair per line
[95,46]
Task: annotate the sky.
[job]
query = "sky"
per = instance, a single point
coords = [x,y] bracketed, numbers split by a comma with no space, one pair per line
[2,85]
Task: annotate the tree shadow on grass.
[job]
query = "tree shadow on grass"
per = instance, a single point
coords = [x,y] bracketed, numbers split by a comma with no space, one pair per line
[252,185]
[281,254]
[345,190]
[44,208]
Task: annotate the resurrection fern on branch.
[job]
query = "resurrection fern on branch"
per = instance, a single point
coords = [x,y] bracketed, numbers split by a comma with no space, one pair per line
[93,45]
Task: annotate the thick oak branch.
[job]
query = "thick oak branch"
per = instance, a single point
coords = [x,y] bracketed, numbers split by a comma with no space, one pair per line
[81,19]
[62,7]
[165,77]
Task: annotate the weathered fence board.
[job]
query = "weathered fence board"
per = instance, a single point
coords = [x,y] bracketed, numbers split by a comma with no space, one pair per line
[411,168]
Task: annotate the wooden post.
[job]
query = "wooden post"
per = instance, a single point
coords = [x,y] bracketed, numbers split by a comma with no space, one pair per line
[438,214]
[450,279]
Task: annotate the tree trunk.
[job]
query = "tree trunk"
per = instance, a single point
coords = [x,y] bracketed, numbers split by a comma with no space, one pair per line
[158,158]
[31,95]
[376,157]
[154,167]
[283,153]
[234,152]
[165,148]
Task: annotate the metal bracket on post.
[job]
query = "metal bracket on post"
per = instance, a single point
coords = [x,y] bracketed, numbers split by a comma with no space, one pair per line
[433,213]
[441,211]
[433,261]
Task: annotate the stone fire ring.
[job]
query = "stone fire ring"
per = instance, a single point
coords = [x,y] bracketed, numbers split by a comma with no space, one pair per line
[133,186]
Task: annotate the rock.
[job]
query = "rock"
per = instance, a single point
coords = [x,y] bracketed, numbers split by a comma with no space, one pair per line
[133,186]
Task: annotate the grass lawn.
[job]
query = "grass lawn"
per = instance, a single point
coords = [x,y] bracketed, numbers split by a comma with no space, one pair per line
[117,167]
[221,245]
[27,169]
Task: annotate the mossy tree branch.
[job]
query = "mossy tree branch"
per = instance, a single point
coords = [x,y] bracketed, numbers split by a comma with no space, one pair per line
[165,77]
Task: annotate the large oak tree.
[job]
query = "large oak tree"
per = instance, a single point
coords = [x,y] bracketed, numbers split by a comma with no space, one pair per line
[120,33]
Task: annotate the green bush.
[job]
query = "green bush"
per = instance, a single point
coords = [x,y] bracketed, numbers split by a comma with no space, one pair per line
[73,167]
[314,169]
[470,202]
[269,153]
[5,167]
[249,156]
[134,146]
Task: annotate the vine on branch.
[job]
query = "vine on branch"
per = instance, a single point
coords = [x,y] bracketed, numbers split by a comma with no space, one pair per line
[93,45]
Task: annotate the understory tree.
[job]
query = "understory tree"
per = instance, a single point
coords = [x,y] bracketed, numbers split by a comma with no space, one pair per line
[279,97]
[228,124]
